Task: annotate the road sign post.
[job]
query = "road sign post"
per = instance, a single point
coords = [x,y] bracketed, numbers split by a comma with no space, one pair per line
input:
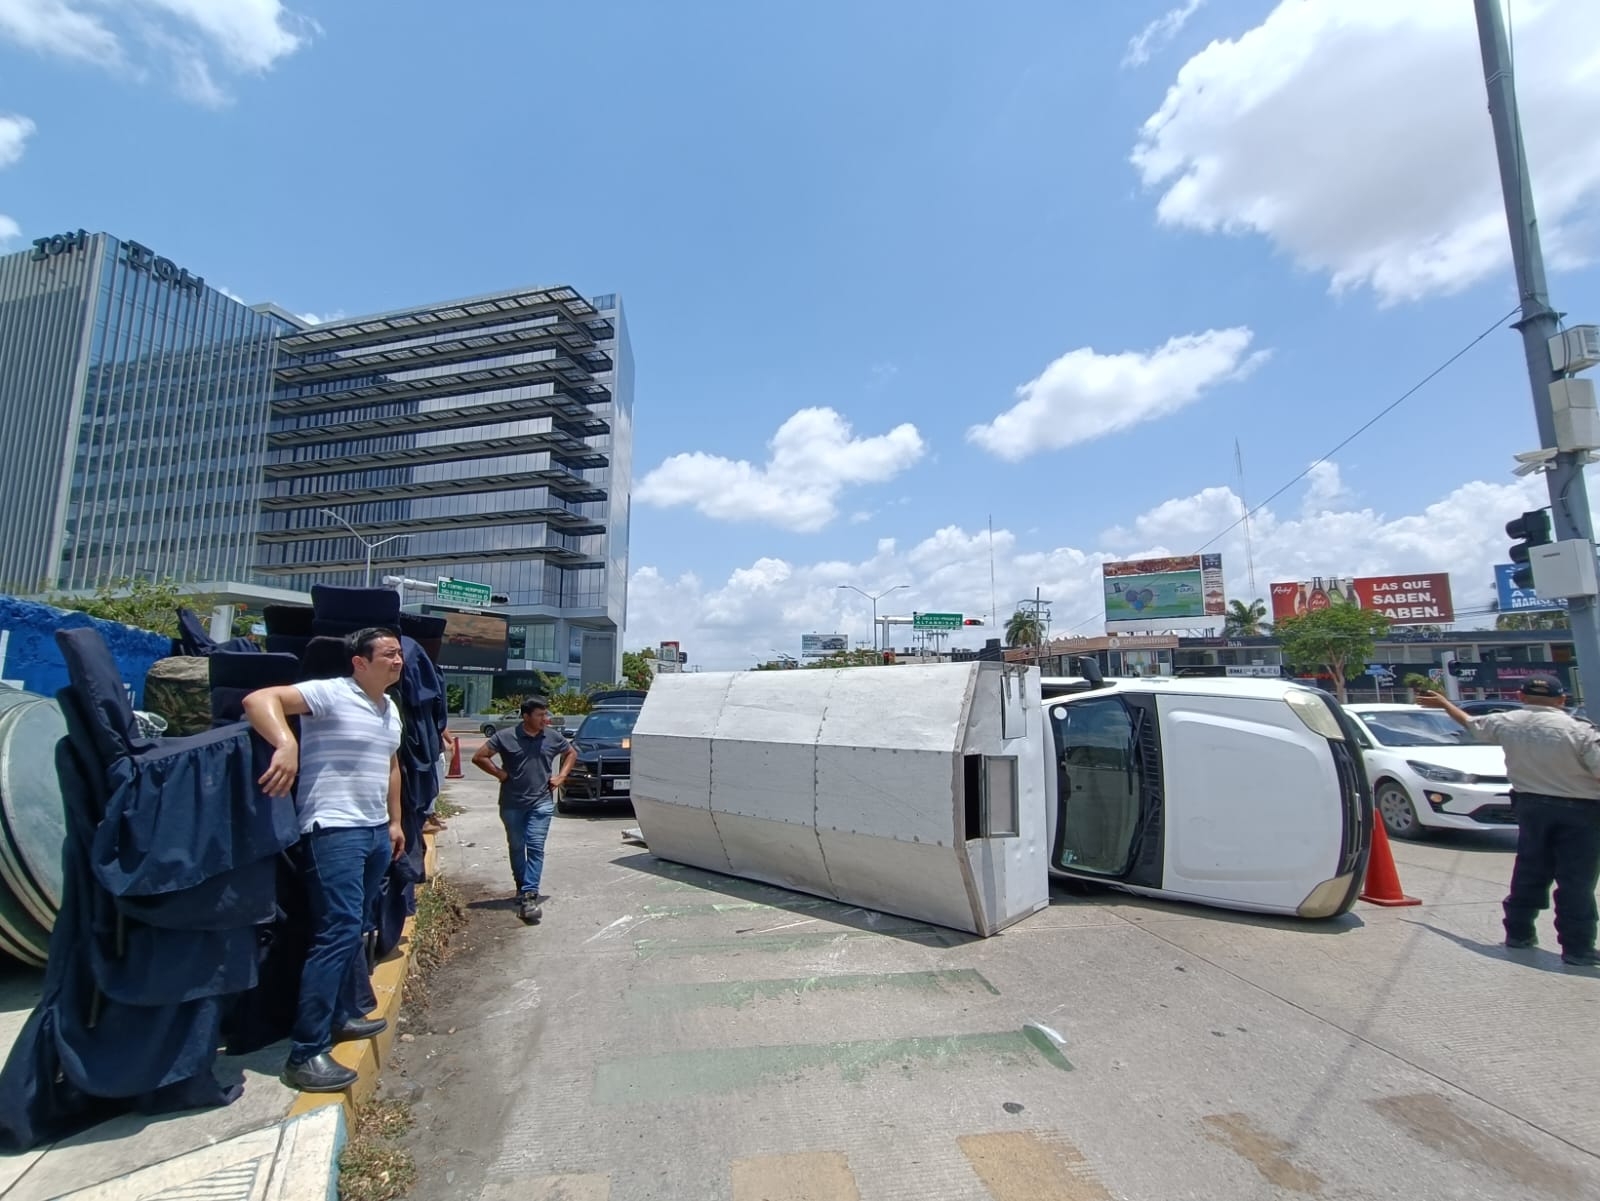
[464,592]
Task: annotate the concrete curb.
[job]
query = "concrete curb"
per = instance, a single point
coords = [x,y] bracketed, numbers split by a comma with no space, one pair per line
[367,1057]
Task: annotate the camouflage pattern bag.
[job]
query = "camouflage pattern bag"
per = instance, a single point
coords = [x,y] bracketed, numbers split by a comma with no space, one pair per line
[179,689]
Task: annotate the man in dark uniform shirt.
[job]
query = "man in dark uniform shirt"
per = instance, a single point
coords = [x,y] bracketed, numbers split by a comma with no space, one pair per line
[528,779]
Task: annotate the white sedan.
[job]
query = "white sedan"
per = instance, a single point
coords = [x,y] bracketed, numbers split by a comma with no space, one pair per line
[1427,774]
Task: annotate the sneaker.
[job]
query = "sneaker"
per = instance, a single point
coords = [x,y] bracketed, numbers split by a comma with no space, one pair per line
[1521,944]
[1589,958]
[528,909]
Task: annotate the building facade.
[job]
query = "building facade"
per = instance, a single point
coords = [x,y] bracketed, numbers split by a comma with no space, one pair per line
[133,399]
[491,439]
[157,427]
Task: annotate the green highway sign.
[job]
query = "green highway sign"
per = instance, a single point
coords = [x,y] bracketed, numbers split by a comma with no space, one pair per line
[936,621]
[463,592]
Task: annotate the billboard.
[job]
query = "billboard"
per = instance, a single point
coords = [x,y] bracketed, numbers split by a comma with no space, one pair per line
[1175,588]
[1406,600]
[669,657]
[1520,600]
[474,642]
[820,646]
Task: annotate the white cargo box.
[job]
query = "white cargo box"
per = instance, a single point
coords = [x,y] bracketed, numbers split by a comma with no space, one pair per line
[914,790]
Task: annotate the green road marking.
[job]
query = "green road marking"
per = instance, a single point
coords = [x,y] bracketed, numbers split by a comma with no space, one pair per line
[652,1079]
[648,948]
[647,999]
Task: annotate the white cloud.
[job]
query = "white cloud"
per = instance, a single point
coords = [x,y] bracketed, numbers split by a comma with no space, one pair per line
[766,606]
[1085,395]
[15,131]
[322,319]
[243,36]
[815,456]
[14,134]
[1158,33]
[1324,488]
[1353,135]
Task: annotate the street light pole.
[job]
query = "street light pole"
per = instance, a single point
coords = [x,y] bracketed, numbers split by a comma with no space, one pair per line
[875,599]
[370,545]
[1569,497]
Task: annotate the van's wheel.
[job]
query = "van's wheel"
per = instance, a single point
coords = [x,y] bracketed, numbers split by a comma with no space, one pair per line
[487,729]
[1398,813]
[562,804]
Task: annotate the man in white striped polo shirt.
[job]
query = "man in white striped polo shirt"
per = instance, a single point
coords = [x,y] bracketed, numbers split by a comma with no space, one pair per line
[348,801]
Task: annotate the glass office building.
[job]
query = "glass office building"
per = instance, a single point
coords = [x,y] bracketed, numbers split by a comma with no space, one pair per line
[491,438]
[165,429]
[133,400]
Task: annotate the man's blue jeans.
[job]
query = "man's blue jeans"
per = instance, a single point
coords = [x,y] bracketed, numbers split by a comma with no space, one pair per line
[343,871]
[527,826]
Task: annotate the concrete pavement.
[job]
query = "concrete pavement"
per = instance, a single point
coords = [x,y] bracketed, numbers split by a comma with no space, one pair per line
[669,1033]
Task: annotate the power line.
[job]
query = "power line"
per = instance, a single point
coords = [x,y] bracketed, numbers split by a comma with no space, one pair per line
[1372,421]
[1377,417]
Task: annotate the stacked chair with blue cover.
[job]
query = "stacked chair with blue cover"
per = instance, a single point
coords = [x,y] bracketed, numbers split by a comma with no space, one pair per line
[171,873]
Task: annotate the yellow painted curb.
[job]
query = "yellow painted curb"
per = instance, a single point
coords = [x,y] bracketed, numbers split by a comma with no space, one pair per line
[367,1057]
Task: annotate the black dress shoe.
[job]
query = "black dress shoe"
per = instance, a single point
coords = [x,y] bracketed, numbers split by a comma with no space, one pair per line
[1521,944]
[360,1028]
[1589,958]
[319,1074]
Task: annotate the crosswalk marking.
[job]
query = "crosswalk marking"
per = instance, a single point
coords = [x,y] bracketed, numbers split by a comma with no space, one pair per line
[1021,1166]
[810,1176]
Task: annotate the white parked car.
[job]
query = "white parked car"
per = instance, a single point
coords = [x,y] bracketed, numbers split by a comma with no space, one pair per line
[1427,775]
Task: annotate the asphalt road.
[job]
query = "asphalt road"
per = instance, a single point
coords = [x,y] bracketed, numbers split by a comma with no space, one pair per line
[669,1033]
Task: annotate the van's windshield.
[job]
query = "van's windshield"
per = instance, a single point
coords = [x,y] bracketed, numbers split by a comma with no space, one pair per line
[1421,727]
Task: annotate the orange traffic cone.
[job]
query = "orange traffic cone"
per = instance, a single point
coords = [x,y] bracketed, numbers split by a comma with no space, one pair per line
[1382,885]
[455,772]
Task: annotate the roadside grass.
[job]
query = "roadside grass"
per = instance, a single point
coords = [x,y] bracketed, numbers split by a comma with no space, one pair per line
[373,1165]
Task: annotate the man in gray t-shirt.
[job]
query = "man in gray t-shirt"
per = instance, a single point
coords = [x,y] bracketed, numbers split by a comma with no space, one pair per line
[528,775]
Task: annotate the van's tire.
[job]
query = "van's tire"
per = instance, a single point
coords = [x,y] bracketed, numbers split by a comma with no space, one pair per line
[487,729]
[1399,814]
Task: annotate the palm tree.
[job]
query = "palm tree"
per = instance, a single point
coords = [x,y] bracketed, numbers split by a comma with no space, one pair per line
[1244,621]
[1024,629]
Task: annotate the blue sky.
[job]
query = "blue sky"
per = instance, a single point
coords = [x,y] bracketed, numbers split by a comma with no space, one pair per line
[859,230]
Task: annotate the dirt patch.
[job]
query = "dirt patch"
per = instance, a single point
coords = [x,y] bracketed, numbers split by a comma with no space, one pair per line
[1433,1121]
[441,915]
[1268,1155]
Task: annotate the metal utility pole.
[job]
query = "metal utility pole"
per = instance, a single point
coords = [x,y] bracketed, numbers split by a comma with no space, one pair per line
[1569,496]
[371,546]
[1041,615]
[875,599]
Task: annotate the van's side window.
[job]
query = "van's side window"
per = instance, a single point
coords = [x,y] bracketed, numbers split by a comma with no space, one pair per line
[1098,784]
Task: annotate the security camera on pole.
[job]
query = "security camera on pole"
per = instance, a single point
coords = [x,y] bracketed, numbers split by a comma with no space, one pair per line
[1569,429]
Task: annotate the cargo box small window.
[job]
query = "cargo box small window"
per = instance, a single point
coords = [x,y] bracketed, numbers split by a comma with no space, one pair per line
[991,796]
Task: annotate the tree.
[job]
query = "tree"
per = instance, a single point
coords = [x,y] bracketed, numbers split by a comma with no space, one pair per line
[1024,629]
[1244,621]
[1338,640]
[1422,683]
[1548,619]
[636,671]
[144,604]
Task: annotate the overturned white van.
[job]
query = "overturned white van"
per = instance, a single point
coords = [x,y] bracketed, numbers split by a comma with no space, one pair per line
[914,790]
[952,793]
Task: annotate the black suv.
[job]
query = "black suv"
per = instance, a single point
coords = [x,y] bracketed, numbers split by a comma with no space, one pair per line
[605,756]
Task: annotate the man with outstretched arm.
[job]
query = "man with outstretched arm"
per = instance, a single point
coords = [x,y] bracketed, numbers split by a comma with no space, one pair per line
[348,802]
[1553,760]
[529,779]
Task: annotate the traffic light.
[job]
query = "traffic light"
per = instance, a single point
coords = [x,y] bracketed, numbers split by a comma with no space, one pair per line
[1531,529]
[973,621]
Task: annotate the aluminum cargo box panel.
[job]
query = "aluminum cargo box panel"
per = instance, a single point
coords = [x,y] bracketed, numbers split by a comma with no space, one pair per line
[775,852]
[672,770]
[888,792]
[923,882]
[913,707]
[682,834]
